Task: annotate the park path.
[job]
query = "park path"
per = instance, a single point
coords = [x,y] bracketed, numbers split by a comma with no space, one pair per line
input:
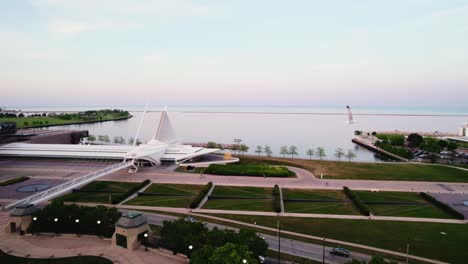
[305,180]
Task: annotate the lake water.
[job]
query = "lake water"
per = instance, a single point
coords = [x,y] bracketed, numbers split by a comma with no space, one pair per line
[304,128]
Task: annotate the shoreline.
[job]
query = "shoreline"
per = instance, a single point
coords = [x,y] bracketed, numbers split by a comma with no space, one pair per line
[78,123]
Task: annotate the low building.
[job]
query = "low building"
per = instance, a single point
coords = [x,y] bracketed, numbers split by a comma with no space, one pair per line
[131,231]
[7,128]
[463,130]
[21,218]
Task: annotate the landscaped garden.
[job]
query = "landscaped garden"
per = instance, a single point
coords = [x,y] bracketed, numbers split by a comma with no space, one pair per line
[106,192]
[167,195]
[403,204]
[445,242]
[367,171]
[317,202]
[241,198]
[249,170]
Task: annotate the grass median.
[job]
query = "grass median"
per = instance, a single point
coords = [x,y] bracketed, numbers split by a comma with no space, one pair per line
[167,195]
[317,202]
[240,198]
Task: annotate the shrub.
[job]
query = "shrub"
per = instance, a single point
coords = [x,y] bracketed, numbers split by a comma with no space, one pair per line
[115,199]
[442,206]
[197,199]
[12,181]
[277,199]
[67,214]
[363,208]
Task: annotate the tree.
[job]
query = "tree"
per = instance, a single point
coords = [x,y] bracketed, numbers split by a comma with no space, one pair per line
[211,144]
[284,151]
[101,138]
[310,153]
[259,150]
[179,234]
[131,141]
[116,140]
[339,153]
[267,150]
[357,132]
[91,138]
[106,139]
[293,151]
[21,115]
[350,155]
[414,140]
[232,254]
[320,153]
[243,148]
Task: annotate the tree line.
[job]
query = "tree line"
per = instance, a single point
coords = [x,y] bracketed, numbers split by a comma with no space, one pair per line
[318,152]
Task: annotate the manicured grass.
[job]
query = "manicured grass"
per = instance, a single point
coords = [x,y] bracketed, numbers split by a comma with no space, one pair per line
[368,171]
[426,210]
[5,258]
[163,201]
[168,200]
[249,170]
[317,207]
[12,181]
[103,189]
[425,239]
[179,189]
[242,191]
[242,204]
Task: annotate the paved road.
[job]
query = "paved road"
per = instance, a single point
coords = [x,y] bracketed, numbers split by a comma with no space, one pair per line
[288,246]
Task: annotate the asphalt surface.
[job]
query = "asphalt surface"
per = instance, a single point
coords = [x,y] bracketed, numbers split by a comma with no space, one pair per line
[288,246]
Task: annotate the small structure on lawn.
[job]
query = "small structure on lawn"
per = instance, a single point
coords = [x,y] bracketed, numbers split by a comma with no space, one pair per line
[131,230]
[21,218]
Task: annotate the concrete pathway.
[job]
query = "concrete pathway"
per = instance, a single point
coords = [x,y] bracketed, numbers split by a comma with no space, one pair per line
[205,199]
[305,180]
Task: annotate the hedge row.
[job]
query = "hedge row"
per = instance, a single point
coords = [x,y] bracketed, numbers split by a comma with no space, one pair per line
[68,214]
[197,199]
[363,208]
[442,205]
[249,170]
[11,181]
[277,199]
[115,199]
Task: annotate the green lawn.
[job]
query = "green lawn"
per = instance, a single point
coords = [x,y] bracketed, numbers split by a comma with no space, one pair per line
[104,188]
[241,204]
[249,170]
[425,239]
[180,189]
[368,171]
[163,201]
[242,191]
[7,259]
[168,200]
[427,210]
[317,207]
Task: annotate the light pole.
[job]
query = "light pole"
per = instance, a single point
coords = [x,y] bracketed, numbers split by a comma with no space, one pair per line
[407,251]
[146,241]
[279,239]
[323,251]
[244,261]
[190,250]
[238,140]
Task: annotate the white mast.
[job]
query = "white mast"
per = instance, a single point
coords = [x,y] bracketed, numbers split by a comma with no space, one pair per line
[141,124]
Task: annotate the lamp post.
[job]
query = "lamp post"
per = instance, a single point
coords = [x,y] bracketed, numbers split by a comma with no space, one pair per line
[238,140]
[145,241]
[279,239]
[244,261]
[323,251]
[190,247]
[98,222]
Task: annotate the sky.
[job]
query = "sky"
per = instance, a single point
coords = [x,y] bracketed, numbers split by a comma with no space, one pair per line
[395,53]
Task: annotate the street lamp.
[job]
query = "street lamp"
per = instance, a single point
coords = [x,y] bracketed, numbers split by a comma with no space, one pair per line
[244,261]
[98,222]
[77,221]
[190,247]
[34,218]
[55,219]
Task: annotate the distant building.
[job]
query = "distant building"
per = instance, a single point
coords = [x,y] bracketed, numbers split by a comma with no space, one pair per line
[463,131]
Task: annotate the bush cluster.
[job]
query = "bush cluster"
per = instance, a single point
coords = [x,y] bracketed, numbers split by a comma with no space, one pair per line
[115,199]
[11,181]
[277,199]
[197,199]
[363,208]
[399,151]
[442,205]
[67,215]
[249,170]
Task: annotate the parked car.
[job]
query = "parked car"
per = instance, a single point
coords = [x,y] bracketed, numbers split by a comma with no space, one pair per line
[189,219]
[261,259]
[340,252]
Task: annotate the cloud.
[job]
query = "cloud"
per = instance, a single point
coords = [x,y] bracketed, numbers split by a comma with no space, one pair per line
[68,28]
